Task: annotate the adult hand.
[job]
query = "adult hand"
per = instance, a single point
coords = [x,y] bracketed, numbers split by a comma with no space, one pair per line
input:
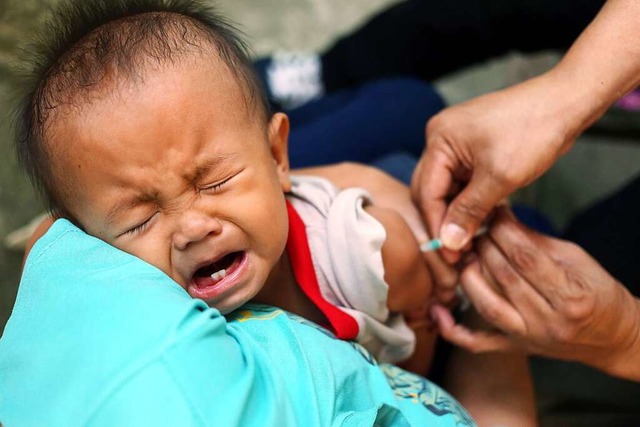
[494,144]
[548,297]
[481,151]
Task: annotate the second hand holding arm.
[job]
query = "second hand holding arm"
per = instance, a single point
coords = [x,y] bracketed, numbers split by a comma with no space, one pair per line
[547,297]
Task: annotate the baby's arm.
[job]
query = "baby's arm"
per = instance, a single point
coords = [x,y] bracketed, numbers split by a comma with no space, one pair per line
[409,283]
[406,270]
[388,192]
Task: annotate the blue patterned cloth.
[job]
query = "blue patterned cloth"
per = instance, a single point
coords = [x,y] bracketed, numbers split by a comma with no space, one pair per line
[98,337]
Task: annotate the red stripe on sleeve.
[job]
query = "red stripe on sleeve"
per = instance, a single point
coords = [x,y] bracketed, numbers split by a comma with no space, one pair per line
[342,324]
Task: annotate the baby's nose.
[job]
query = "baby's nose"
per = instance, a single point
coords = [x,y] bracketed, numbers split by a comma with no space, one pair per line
[194,227]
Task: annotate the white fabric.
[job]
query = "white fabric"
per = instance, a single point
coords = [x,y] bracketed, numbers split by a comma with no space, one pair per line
[345,243]
[295,78]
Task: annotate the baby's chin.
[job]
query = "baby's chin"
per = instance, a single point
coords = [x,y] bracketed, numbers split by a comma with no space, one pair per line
[231,303]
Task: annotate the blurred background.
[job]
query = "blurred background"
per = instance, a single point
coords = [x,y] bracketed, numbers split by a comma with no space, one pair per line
[604,158]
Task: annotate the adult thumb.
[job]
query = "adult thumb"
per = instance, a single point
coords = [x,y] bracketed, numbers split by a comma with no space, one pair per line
[468,210]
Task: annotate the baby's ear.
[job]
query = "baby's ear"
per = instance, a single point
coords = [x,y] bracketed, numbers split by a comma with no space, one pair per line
[278,142]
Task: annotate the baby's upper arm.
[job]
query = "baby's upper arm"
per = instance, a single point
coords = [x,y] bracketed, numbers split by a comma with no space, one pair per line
[404,267]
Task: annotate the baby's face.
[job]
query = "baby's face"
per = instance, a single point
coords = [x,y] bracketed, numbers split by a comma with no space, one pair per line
[180,171]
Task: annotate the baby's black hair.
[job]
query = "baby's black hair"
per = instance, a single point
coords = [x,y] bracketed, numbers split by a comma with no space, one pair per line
[88,42]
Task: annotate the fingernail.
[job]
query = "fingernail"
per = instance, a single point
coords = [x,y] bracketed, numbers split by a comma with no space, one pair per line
[453,236]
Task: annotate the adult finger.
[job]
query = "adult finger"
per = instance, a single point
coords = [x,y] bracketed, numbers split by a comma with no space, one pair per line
[529,254]
[468,210]
[430,185]
[492,307]
[473,341]
[431,188]
[521,294]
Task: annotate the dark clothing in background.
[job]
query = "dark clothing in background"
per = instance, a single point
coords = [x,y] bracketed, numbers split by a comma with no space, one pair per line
[428,39]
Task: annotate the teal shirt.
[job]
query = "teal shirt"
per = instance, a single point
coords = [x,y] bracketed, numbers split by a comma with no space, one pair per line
[98,337]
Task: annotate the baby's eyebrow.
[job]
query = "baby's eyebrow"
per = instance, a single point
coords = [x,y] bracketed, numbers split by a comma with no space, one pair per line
[125,204]
[210,164]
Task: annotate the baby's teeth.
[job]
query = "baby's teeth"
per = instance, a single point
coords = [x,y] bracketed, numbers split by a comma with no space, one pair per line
[219,275]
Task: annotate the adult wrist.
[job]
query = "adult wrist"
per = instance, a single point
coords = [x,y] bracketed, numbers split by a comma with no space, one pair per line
[574,104]
[629,360]
[623,359]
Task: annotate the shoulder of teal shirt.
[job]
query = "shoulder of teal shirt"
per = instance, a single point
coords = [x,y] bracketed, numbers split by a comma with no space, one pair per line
[99,337]
[96,334]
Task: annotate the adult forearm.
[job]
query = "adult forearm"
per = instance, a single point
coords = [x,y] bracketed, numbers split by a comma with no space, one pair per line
[601,66]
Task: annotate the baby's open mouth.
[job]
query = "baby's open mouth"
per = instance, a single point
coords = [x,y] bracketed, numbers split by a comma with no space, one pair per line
[211,274]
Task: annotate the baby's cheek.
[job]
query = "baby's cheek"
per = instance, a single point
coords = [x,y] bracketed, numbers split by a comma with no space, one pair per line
[275,229]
